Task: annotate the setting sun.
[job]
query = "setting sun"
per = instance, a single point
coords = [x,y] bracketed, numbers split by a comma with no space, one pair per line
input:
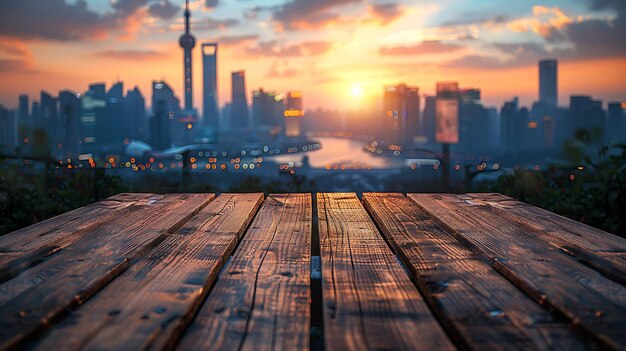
[356,91]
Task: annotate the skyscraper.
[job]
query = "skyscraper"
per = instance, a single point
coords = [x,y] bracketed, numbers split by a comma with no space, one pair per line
[401,106]
[34,113]
[210,101]
[116,126]
[513,123]
[585,113]
[293,114]
[135,111]
[49,119]
[8,129]
[473,122]
[548,84]
[239,108]
[24,117]
[70,111]
[428,120]
[267,109]
[187,43]
[24,121]
[94,123]
[165,106]
[616,123]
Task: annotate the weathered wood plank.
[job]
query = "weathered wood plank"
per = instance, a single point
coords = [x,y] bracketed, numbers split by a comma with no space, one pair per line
[41,294]
[478,306]
[261,299]
[369,300]
[150,304]
[589,300]
[22,249]
[603,251]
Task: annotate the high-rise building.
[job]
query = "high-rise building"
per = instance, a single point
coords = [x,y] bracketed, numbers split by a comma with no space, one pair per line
[165,108]
[548,82]
[293,114]
[209,72]
[428,120]
[585,113]
[616,124]
[473,122]
[49,119]
[402,111]
[469,95]
[93,124]
[239,110]
[69,108]
[187,43]
[512,124]
[494,128]
[35,113]
[267,109]
[8,130]
[24,121]
[135,111]
[115,125]
[23,115]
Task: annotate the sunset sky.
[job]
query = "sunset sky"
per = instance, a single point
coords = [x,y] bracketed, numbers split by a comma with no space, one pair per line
[332,50]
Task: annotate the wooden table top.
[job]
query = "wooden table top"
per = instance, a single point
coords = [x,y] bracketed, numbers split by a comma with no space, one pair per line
[300,271]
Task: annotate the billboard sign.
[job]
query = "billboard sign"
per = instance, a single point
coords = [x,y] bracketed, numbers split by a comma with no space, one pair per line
[447,113]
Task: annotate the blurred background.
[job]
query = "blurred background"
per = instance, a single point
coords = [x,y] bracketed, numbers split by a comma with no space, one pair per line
[163,96]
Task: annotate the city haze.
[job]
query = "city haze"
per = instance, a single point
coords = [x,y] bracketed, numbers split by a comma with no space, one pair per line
[326,49]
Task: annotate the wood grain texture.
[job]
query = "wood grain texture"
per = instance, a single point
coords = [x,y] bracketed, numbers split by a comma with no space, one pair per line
[149,305]
[261,299]
[369,300]
[479,307]
[589,300]
[24,248]
[604,252]
[39,295]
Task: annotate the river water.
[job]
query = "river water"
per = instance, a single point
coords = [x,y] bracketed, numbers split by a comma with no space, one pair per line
[336,151]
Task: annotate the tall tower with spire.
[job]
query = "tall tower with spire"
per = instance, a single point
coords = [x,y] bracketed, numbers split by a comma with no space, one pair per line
[187,42]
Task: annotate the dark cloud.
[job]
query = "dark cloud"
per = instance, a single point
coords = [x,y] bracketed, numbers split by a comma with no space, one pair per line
[128,6]
[163,9]
[618,5]
[595,37]
[211,3]
[213,24]
[234,40]
[308,14]
[517,55]
[54,20]
[466,21]
[131,55]
[425,47]
[273,48]
[386,13]
[67,20]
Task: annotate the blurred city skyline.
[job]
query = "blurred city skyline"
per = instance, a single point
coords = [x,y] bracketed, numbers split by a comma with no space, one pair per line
[340,54]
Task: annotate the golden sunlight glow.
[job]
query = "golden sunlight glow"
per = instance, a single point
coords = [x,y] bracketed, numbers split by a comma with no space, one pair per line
[356,91]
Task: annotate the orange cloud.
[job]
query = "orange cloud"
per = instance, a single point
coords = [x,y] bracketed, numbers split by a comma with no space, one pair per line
[425,47]
[544,21]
